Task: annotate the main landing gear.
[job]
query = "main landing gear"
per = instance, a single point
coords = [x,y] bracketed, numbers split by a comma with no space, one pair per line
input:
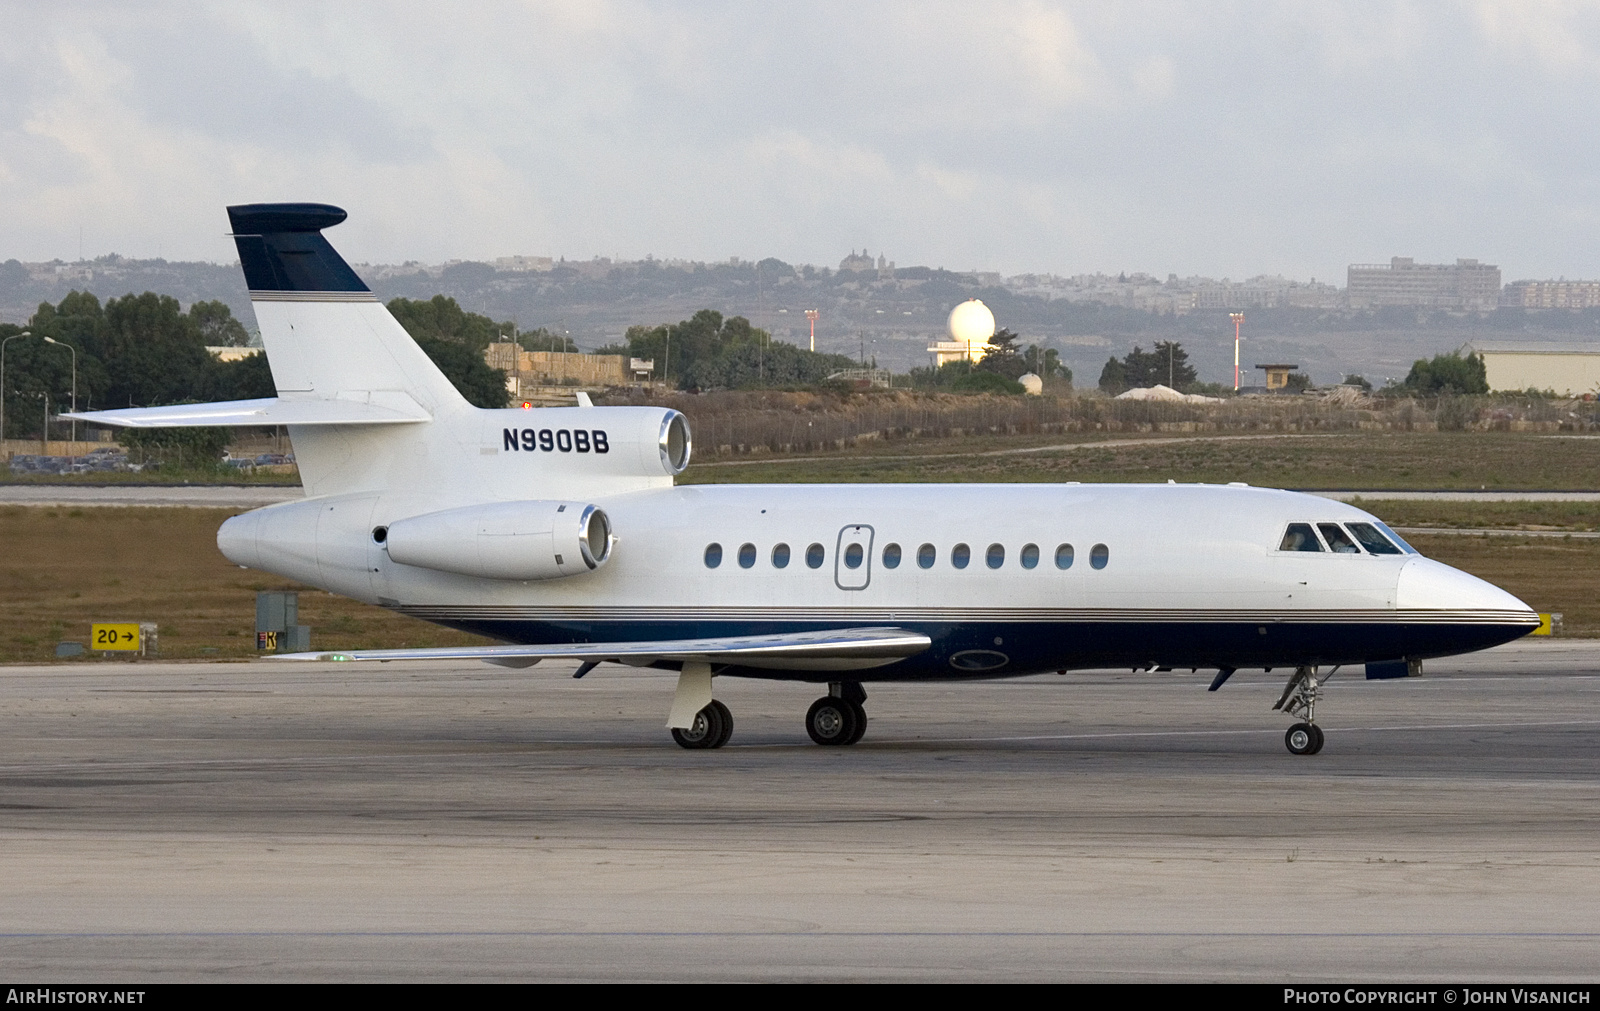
[711,728]
[698,721]
[838,717]
[1300,699]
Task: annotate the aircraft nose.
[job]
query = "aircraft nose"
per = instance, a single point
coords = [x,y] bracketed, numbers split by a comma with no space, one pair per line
[1427,585]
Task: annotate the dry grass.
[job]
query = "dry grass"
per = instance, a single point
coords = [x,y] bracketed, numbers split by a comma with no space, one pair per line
[1356,460]
[1573,516]
[62,569]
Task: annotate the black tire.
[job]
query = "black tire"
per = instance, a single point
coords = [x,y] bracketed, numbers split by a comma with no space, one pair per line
[1316,732]
[861,722]
[1301,739]
[707,731]
[831,721]
[726,719]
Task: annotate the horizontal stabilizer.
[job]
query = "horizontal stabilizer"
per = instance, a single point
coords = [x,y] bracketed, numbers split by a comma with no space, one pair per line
[389,408]
[842,649]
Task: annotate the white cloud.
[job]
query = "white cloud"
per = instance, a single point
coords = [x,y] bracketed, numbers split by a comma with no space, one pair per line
[1216,138]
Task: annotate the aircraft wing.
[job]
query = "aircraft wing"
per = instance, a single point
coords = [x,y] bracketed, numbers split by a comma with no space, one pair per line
[840,649]
[387,408]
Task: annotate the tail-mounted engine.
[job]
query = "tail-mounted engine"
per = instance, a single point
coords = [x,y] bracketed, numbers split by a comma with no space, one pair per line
[504,540]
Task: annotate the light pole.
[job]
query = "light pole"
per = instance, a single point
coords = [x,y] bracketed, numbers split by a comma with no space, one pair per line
[69,347]
[812,314]
[8,340]
[1238,318]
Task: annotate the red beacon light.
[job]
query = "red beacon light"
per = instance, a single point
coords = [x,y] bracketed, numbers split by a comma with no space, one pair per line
[527,405]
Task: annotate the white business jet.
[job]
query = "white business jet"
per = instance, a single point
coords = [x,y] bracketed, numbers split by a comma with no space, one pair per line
[559,532]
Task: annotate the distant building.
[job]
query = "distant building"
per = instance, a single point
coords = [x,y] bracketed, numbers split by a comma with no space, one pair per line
[1465,284]
[1569,368]
[1551,295]
[858,262]
[536,374]
[525,264]
[1277,376]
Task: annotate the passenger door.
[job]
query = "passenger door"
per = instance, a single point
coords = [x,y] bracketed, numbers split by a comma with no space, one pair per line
[852,558]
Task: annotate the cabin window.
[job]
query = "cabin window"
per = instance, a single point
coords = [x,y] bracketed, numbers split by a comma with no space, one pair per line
[747,556]
[891,556]
[995,556]
[926,556]
[713,555]
[1064,556]
[814,556]
[780,556]
[1098,556]
[1339,542]
[960,555]
[1373,541]
[1029,556]
[853,556]
[1299,537]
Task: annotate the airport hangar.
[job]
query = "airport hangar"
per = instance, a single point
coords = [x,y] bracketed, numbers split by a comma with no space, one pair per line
[1567,368]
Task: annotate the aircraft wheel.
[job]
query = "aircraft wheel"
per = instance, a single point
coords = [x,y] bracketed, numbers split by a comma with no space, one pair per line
[1303,739]
[832,721]
[861,722]
[726,719]
[711,728]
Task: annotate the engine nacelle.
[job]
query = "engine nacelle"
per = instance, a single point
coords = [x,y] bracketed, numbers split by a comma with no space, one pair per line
[504,540]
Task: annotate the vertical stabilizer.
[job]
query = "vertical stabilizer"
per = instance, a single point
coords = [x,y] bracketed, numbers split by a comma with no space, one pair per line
[328,338]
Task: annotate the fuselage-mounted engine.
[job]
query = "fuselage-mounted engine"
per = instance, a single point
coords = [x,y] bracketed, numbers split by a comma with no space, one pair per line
[504,540]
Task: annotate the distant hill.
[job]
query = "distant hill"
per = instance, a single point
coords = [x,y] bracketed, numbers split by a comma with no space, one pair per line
[892,314]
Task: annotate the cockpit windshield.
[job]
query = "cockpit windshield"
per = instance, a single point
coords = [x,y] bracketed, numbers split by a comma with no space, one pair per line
[1387,532]
[1299,537]
[1372,540]
[1338,541]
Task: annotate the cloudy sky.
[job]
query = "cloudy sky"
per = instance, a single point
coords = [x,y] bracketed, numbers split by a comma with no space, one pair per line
[1214,138]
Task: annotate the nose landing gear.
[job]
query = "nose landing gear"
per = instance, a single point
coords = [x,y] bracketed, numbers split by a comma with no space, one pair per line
[1303,739]
[1299,698]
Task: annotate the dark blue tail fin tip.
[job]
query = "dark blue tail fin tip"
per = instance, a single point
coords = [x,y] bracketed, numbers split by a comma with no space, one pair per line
[281,248]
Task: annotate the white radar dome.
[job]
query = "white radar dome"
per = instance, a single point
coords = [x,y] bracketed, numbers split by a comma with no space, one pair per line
[971,322]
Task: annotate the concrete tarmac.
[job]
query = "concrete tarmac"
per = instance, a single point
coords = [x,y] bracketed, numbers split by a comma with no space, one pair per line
[266,821]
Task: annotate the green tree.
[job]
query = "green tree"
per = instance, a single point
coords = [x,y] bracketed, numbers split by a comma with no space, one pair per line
[467,371]
[707,351]
[442,318]
[1046,363]
[545,340]
[1167,365]
[984,381]
[36,369]
[1446,374]
[1002,356]
[1114,376]
[248,378]
[188,448]
[217,326]
[153,352]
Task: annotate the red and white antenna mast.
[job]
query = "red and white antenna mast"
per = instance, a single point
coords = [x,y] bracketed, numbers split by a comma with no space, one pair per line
[812,314]
[1238,318]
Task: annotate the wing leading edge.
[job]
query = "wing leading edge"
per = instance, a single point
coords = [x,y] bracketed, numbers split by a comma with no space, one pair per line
[836,650]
